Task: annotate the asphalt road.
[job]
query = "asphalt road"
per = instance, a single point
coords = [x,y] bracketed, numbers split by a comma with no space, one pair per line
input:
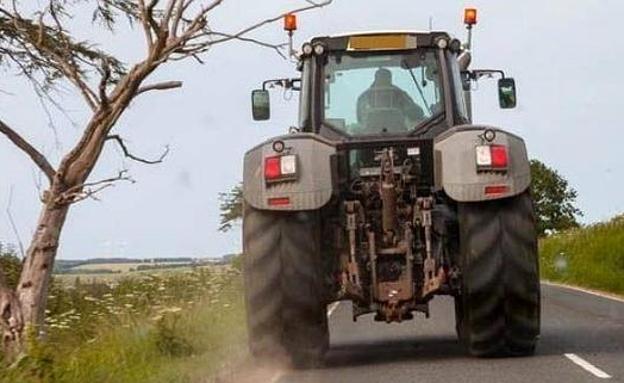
[582,341]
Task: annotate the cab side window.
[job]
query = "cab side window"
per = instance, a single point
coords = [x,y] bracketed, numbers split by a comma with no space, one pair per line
[461,106]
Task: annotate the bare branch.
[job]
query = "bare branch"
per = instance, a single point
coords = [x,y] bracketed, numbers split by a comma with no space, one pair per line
[146,24]
[151,22]
[179,14]
[159,86]
[90,189]
[106,73]
[196,37]
[167,14]
[272,20]
[277,47]
[38,158]
[90,193]
[127,153]
[12,222]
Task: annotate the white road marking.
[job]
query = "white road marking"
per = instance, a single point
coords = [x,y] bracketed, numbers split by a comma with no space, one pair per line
[587,366]
[586,291]
[332,308]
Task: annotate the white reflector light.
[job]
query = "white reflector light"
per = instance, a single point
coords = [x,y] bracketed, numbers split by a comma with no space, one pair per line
[413,151]
[484,156]
[307,49]
[289,165]
[319,49]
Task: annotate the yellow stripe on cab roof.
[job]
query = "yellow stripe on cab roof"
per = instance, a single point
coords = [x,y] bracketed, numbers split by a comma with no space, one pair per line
[382,42]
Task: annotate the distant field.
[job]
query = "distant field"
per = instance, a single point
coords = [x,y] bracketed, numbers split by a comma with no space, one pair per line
[123,267]
[66,279]
[110,277]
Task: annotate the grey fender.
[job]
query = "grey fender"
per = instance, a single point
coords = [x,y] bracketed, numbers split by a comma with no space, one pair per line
[456,167]
[313,187]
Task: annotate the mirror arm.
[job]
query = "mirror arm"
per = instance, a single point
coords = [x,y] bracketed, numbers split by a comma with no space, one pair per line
[477,74]
[286,83]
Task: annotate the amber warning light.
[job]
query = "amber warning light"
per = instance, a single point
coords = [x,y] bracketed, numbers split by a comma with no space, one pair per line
[470,16]
[290,22]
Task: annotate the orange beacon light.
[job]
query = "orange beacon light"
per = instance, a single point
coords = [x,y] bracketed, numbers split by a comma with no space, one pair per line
[290,22]
[470,16]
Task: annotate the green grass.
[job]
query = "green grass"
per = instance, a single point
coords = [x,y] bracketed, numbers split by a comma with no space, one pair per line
[178,327]
[591,256]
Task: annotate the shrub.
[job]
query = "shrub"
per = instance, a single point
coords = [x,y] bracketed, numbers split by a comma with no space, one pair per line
[10,265]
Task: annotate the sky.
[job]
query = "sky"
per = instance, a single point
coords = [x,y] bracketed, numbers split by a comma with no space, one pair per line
[565,56]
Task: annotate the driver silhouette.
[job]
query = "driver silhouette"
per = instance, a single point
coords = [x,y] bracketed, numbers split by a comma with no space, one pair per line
[386,106]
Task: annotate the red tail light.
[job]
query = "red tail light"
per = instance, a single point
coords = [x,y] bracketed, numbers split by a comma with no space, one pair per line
[272,168]
[499,156]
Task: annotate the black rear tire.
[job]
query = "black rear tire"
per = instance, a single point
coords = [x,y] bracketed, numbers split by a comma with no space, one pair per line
[284,289]
[262,279]
[498,312]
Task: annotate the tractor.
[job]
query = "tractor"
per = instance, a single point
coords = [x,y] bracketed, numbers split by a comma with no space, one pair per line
[387,194]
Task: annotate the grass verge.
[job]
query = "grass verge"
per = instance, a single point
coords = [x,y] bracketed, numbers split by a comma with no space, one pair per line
[176,328]
[591,257]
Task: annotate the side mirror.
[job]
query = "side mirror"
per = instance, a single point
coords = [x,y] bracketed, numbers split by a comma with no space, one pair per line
[507,93]
[260,105]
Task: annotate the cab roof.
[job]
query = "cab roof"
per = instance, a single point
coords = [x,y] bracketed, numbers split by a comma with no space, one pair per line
[380,40]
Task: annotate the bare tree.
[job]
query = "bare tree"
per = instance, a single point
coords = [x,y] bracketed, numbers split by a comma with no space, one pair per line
[40,47]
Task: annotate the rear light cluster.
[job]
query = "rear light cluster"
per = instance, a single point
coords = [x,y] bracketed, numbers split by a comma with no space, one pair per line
[280,168]
[492,157]
[492,190]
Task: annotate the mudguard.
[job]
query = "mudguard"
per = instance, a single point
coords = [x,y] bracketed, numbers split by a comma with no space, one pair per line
[456,167]
[313,187]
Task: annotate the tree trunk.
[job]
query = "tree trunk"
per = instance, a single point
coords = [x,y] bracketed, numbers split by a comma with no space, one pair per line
[32,289]
[11,321]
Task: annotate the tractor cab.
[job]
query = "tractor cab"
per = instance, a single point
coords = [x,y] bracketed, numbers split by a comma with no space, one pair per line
[383,84]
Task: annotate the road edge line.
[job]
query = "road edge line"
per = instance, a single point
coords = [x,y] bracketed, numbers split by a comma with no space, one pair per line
[587,366]
[597,293]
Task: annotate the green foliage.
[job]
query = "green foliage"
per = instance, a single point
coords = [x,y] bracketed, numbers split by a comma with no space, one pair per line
[38,364]
[180,326]
[231,206]
[592,256]
[554,199]
[33,42]
[10,265]
[168,340]
[237,262]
